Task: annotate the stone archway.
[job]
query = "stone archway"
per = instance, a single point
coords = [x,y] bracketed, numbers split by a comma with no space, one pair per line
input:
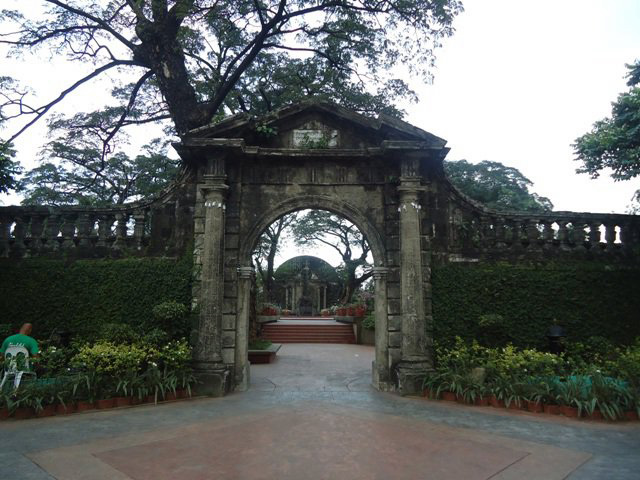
[375,173]
[381,378]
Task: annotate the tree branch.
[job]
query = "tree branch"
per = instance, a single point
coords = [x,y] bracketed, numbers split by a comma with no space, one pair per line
[45,108]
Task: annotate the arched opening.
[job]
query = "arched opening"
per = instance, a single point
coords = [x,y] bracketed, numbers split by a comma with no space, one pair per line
[308,288]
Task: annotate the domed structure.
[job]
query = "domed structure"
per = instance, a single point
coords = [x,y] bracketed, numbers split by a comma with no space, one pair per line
[306,284]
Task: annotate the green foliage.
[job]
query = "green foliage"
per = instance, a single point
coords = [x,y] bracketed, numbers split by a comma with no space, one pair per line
[496,186]
[613,144]
[260,344]
[586,299]
[172,317]
[82,296]
[514,375]
[320,227]
[9,170]
[106,358]
[78,171]
[369,321]
[198,60]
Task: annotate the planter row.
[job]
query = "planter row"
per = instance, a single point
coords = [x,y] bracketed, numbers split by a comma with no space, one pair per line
[22,413]
[534,407]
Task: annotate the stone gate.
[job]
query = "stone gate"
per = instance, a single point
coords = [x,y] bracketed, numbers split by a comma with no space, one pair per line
[383,175]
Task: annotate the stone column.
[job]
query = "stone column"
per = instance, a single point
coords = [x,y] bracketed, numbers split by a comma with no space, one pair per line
[207,353]
[415,361]
[241,374]
[381,377]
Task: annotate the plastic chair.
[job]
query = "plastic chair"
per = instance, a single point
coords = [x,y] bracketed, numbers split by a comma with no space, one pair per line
[15,367]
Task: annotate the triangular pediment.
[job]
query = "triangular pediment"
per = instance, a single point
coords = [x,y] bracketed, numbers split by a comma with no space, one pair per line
[316,125]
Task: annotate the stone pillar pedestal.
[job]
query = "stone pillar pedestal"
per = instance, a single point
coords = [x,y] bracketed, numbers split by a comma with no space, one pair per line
[241,371]
[415,361]
[207,353]
[381,375]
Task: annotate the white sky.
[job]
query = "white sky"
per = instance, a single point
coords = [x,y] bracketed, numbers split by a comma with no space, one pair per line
[517,83]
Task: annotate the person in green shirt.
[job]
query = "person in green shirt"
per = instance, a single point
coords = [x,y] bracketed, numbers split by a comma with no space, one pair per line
[21,339]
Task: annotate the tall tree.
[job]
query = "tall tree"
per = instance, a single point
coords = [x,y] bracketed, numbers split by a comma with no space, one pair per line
[76,170]
[9,170]
[497,186]
[319,227]
[188,60]
[614,143]
[269,245]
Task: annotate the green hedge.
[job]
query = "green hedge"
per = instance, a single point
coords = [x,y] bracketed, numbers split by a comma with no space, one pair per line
[587,299]
[82,296]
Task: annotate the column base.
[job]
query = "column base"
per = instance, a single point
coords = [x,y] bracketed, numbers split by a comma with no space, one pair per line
[213,381]
[411,375]
[242,379]
[380,379]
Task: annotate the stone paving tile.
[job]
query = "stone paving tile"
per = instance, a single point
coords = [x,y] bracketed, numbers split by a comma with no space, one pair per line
[610,450]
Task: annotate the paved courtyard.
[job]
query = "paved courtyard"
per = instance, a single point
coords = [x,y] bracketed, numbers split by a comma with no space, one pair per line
[312,415]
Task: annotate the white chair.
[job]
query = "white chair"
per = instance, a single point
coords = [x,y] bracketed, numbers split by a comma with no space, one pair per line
[16,365]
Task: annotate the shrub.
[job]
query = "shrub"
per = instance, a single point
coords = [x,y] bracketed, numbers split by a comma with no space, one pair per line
[106,358]
[171,316]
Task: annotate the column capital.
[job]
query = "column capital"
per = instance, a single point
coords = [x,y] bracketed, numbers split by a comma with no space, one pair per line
[245,273]
[380,273]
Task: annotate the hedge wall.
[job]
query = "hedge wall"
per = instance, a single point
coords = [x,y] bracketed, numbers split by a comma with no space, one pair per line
[587,300]
[82,295]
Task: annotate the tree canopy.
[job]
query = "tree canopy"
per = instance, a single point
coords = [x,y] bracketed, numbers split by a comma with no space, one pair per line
[496,186]
[191,61]
[319,227]
[614,143]
[9,169]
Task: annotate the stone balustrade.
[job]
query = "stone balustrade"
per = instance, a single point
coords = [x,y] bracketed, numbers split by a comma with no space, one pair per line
[553,231]
[88,231]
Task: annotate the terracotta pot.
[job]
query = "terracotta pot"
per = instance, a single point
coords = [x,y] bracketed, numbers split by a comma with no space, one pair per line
[64,409]
[351,311]
[341,312]
[23,413]
[496,402]
[535,407]
[122,401]
[482,401]
[631,415]
[595,415]
[4,414]
[514,406]
[105,403]
[137,400]
[448,396]
[324,314]
[47,411]
[426,393]
[84,406]
[151,399]
[170,396]
[552,409]
[360,311]
[182,393]
[568,411]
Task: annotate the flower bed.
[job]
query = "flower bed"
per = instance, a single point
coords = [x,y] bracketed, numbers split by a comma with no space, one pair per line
[101,374]
[603,385]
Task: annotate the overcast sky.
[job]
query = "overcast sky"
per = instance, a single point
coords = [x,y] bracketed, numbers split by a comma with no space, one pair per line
[517,83]
[520,80]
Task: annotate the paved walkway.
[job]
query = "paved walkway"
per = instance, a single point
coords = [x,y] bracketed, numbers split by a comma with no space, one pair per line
[312,415]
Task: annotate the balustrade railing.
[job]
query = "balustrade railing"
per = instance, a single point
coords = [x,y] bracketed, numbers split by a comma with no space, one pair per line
[554,231]
[30,231]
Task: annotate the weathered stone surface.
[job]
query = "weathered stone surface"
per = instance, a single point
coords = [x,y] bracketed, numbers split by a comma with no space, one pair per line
[382,174]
